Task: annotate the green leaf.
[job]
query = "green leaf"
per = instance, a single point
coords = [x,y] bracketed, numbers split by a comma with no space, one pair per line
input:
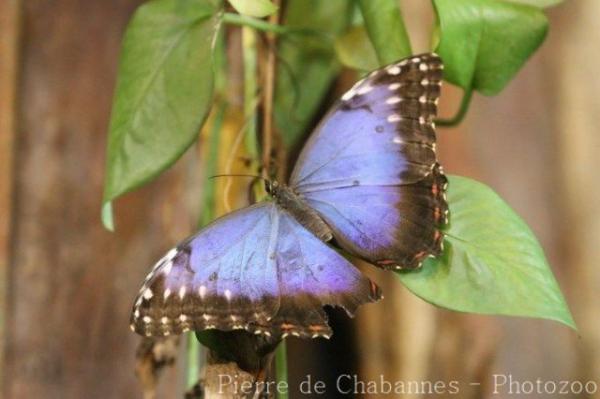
[107,216]
[164,90]
[539,3]
[492,262]
[386,29]
[254,8]
[485,42]
[354,50]
[307,64]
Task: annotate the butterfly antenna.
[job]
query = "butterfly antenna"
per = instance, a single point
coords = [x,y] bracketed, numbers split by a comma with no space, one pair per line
[237,175]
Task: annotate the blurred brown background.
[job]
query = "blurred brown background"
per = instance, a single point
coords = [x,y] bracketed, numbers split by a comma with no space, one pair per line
[66,284]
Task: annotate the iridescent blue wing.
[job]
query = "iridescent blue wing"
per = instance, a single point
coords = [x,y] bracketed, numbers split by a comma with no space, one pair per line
[255,269]
[370,168]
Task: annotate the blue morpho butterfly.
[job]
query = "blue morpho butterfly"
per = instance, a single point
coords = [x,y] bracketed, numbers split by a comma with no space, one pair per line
[367,181]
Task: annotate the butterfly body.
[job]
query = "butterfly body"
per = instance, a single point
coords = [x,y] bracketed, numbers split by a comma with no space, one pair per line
[367,181]
[286,198]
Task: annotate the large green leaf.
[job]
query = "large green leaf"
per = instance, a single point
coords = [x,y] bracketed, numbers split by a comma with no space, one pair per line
[492,262]
[308,64]
[539,3]
[254,8]
[164,91]
[354,50]
[485,42]
[386,29]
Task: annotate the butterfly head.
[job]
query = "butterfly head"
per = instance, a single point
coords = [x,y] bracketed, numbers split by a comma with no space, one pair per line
[272,187]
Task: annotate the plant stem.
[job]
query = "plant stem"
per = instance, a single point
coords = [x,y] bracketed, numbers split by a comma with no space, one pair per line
[193,360]
[462,111]
[194,349]
[264,26]
[281,370]
[268,95]
[258,24]
[250,61]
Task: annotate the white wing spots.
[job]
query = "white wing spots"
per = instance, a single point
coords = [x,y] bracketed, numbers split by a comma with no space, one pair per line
[148,294]
[202,291]
[394,86]
[423,99]
[164,320]
[348,95]
[132,327]
[136,314]
[228,295]
[360,88]
[397,140]
[424,67]
[182,292]
[425,82]
[353,91]
[259,331]
[147,319]
[183,318]
[150,275]
[167,268]
[171,254]
[394,118]
[166,261]
[206,317]
[393,100]
[393,69]
[167,258]
[364,89]
[167,293]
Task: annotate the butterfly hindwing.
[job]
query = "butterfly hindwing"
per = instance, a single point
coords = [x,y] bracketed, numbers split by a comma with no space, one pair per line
[255,269]
[370,168]
[312,275]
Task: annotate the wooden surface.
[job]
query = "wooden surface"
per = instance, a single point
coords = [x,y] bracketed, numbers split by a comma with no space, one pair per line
[9,62]
[71,282]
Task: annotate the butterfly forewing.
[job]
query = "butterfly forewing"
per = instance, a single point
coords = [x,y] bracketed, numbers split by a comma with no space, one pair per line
[370,168]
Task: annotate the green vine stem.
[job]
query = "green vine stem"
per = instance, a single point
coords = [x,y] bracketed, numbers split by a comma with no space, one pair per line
[281,370]
[250,61]
[258,24]
[264,26]
[462,111]
[195,352]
